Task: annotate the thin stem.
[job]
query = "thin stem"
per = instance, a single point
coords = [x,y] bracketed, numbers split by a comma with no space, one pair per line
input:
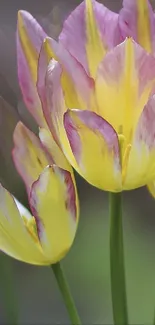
[118,287]
[64,288]
[8,290]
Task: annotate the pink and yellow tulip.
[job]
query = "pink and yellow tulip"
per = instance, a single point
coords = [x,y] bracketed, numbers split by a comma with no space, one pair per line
[45,236]
[92,94]
[94,91]
[97,90]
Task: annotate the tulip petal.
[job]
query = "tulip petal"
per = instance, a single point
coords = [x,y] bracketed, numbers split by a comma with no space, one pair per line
[29,156]
[29,41]
[90,28]
[50,91]
[77,86]
[125,80]
[52,95]
[54,204]
[52,98]
[53,149]
[137,20]
[95,146]
[94,43]
[141,164]
[15,240]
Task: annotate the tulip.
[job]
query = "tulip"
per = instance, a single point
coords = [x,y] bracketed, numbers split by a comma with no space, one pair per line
[94,90]
[101,113]
[44,236]
[80,93]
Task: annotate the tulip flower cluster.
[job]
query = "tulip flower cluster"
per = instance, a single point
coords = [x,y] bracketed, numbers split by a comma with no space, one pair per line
[92,94]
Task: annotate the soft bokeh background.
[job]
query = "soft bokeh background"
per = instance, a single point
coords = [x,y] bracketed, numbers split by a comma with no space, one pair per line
[87,264]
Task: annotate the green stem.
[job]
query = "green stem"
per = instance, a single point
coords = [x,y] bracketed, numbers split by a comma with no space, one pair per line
[64,288]
[8,290]
[118,287]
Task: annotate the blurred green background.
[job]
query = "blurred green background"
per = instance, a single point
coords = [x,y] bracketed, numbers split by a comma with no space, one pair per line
[87,264]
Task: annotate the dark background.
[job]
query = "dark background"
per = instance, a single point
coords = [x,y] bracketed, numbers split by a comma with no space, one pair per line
[87,264]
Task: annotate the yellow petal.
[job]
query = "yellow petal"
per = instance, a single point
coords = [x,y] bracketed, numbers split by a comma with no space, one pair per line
[88,32]
[52,97]
[15,240]
[30,36]
[56,153]
[141,164]
[95,146]
[54,202]
[50,90]
[144,24]
[78,87]
[94,47]
[49,52]
[28,154]
[124,82]
[140,168]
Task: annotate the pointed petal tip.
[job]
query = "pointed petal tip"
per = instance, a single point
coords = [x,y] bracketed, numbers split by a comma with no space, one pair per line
[20,13]
[18,129]
[24,14]
[90,26]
